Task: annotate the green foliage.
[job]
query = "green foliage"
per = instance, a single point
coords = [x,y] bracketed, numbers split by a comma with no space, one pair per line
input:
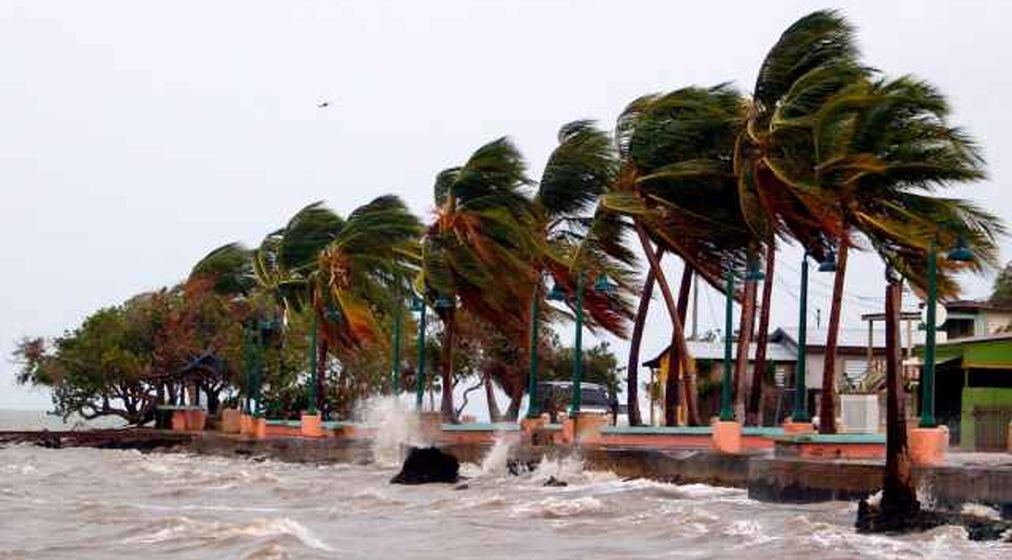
[1001,293]
[825,151]
[600,365]
[124,360]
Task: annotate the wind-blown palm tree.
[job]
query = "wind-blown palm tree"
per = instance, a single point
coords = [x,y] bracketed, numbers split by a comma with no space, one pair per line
[812,60]
[928,219]
[228,269]
[478,249]
[678,185]
[879,147]
[285,265]
[337,272]
[578,235]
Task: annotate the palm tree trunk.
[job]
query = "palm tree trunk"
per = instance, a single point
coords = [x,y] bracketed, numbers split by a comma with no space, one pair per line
[446,403]
[827,406]
[494,414]
[632,375]
[745,326]
[754,415]
[673,386]
[321,376]
[898,495]
[669,300]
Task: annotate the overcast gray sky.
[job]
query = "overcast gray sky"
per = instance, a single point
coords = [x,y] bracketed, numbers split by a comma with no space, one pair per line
[135,136]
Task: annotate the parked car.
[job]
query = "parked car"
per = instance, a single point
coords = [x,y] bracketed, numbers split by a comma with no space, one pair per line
[555,398]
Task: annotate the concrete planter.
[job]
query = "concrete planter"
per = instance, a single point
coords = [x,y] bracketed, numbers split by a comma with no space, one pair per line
[311,425]
[259,427]
[179,420]
[727,437]
[792,428]
[196,418]
[928,445]
[230,420]
[583,428]
[860,413]
[246,425]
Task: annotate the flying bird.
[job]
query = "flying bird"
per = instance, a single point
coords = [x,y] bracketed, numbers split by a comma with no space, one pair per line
[322,104]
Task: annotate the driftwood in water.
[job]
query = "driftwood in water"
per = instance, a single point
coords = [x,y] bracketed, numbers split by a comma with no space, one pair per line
[872,519]
[427,464]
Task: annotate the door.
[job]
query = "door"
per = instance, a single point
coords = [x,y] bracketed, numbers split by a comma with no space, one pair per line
[991,424]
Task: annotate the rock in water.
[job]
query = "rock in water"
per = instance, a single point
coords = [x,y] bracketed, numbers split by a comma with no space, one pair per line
[552,481]
[427,464]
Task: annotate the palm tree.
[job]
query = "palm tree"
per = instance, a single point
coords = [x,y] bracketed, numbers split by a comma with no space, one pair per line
[285,265]
[877,145]
[812,60]
[364,270]
[339,273]
[227,269]
[477,250]
[577,235]
[678,185]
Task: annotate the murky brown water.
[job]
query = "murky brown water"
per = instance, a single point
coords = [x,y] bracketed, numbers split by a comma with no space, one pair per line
[86,503]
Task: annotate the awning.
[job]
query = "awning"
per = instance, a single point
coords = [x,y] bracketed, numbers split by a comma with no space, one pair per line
[916,360]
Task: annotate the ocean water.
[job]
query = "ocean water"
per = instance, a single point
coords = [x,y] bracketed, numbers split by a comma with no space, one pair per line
[89,503]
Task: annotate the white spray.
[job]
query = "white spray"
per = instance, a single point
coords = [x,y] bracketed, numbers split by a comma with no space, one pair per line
[396,426]
[494,462]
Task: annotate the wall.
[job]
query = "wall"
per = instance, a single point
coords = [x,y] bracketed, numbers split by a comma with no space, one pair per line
[991,322]
[974,397]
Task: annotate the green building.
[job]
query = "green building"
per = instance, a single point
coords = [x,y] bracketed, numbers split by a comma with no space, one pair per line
[973,393]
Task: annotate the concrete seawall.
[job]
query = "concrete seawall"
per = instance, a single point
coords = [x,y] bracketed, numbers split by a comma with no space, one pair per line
[767,478]
[971,478]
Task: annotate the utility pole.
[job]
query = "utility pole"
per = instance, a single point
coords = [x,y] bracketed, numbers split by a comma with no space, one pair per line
[695,306]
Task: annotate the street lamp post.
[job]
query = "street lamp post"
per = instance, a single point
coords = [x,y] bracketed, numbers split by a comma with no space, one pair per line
[961,253]
[800,412]
[418,304]
[726,413]
[313,334]
[928,381]
[248,359]
[533,406]
[603,285]
[396,381]
[576,398]
[752,274]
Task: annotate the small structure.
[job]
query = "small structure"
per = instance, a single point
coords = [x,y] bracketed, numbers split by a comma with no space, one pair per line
[973,390]
[860,354]
[970,318]
[709,356]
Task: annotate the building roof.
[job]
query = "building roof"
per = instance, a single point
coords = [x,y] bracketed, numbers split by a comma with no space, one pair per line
[975,305]
[904,316]
[850,338]
[992,351]
[782,345]
[976,339]
[714,350]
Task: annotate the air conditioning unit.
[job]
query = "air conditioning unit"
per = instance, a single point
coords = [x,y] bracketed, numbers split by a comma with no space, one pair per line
[859,413]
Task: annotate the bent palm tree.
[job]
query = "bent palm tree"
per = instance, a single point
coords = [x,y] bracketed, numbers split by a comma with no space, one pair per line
[812,60]
[678,185]
[478,249]
[877,146]
[577,235]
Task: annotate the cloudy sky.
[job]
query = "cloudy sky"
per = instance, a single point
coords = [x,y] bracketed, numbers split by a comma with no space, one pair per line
[135,136]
